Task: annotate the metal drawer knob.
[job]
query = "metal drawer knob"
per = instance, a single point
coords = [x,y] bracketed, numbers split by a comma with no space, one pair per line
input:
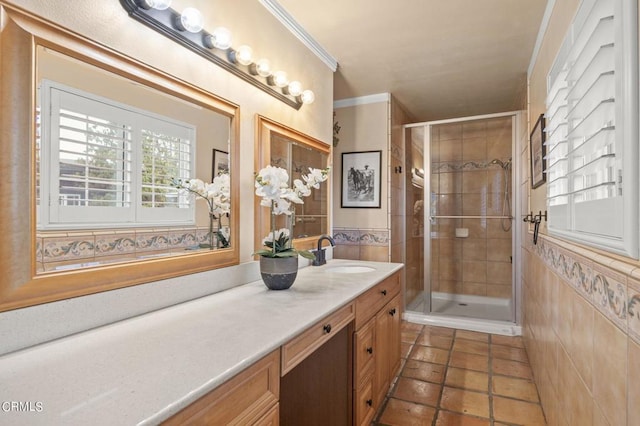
[327,328]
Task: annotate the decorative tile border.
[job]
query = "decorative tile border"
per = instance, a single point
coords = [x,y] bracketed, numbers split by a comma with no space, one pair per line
[365,237]
[99,246]
[615,295]
[457,166]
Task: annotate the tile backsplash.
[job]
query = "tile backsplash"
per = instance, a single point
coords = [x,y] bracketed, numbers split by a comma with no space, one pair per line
[70,250]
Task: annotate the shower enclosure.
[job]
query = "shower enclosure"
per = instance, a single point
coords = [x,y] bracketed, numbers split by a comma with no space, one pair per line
[460,232]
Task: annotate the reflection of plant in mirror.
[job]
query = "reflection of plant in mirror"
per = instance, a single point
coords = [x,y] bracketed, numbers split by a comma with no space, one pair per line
[218,196]
[272,184]
[336,130]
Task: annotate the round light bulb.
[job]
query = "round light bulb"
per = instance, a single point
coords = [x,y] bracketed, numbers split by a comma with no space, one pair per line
[158,4]
[307,97]
[280,78]
[220,39]
[263,68]
[191,20]
[244,55]
[295,88]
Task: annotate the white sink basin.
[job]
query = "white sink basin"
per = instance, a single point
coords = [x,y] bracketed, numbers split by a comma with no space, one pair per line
[350,269]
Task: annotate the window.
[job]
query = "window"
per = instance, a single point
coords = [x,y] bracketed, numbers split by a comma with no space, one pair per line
[592,137]
[112,160]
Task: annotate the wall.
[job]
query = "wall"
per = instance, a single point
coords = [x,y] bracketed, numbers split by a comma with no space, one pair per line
[372,123]
[362,233]
[250,23]
[581,307]
[107,23]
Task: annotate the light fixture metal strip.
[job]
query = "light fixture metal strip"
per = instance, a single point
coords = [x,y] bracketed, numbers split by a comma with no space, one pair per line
[162,21]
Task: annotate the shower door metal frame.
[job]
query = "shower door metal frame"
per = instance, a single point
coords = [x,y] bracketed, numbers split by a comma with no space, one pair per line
[515,206]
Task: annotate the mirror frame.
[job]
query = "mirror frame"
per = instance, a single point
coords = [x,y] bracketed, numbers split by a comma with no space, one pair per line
[20,34]
[264,129]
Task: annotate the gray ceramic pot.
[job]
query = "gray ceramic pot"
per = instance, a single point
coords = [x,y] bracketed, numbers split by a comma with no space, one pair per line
[278,273]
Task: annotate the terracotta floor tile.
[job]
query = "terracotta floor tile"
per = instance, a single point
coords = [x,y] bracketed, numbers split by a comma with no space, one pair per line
[469,361]
[465,402]
[471,346]
[507,352]
[438,331]
[424,371]
[403,413]
[467,379]
[511,368]
[447,418]
[514,341]
[427,339]
[417,391]
[519,412]
[405,349]
[409,336]
[472,335]
[411,326]
[514,388]
[427,354]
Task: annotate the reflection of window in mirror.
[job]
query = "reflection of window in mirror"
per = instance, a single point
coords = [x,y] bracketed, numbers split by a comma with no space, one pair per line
[296,152]
[109,150]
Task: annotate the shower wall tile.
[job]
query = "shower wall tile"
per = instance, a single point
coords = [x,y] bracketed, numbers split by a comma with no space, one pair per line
[474,148]
[474,182]
[498,250]
[474,271]
[474,289]
[499,272]
[633,408]
[450,150]
[474,249]
[502,291]
[495,228]
[450,131]
[449,204]
[474,129]
[451,183]
[477,227]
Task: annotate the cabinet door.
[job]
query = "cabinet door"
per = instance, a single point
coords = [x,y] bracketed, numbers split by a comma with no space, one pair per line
[381,377]
[364,345]
[394,311]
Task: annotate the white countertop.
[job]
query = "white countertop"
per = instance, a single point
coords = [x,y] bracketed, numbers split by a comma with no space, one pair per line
[145,369]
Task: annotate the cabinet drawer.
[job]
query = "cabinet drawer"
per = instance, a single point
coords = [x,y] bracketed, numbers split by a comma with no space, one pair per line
[364,347]
[244,399]
[296,350]
[365,405]
[368,304]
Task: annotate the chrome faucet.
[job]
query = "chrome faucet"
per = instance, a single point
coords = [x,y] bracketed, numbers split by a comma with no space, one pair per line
[320,252]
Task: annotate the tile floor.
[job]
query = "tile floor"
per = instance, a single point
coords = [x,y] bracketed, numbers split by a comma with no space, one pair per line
[463,378]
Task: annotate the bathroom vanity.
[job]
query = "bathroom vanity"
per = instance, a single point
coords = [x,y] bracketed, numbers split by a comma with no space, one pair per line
[326,349]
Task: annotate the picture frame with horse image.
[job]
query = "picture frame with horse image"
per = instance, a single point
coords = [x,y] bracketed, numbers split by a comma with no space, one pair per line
[361,179]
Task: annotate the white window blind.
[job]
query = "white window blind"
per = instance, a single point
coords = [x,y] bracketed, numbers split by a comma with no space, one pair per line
[591,132]
[106,163]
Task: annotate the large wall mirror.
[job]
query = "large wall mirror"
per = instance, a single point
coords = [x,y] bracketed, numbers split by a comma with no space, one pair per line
[281,146]
[97,149]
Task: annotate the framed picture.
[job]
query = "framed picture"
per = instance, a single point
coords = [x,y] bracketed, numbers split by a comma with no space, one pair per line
[220,163]
[537,151]
[361,179]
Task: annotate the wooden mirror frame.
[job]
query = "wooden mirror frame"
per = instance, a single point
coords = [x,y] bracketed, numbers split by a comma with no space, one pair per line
[264,129]
[20,286]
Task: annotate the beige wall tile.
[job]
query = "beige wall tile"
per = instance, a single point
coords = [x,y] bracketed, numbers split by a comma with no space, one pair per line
[449,131]
[474,182]
[495,228]
[610,383]
[474,249]
[633,396]
[499,290]
[477,227]
[450,183]
[582,338]
[346,252]
[474,271]
[474,289]
[374,253]
[449,204]
[450,150]
[474,149]
[474,129]
[499,250]
[499,272]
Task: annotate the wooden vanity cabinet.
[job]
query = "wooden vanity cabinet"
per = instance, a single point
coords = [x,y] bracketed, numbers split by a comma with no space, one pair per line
[377,346]
[251,397]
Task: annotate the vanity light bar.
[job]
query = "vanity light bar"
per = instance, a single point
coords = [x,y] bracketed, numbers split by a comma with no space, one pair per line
[187,30]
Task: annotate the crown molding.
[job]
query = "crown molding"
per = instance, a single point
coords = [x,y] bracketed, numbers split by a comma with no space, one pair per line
[290,23]
[546,18]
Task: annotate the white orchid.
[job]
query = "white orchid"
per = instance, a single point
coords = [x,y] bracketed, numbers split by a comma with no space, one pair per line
[217,194]
[272,185]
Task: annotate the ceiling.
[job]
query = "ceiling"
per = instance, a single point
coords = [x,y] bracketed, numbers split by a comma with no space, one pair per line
[438,58]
